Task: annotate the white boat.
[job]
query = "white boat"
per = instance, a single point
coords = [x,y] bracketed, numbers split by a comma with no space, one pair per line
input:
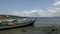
[14,23]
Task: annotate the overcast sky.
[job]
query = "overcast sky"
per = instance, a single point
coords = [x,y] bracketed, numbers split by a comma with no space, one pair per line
[31,8]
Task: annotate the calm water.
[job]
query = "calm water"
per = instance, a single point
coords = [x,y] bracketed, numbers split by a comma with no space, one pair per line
[37,28]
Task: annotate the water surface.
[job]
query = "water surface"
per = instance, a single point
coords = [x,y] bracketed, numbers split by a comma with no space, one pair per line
[37,28]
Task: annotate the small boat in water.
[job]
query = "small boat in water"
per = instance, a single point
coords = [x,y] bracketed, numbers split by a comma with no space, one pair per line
[14,22]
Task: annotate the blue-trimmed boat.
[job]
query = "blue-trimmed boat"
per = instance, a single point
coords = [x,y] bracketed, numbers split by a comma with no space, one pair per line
[14,22]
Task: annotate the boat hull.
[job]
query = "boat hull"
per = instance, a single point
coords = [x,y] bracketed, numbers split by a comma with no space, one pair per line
[17,26]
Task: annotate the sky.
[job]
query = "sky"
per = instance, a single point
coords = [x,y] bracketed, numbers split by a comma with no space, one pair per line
[30,8]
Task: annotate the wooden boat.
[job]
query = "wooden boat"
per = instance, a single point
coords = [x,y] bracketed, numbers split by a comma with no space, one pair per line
[14,22]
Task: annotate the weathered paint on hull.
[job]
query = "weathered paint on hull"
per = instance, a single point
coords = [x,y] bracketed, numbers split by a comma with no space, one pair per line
[29,24]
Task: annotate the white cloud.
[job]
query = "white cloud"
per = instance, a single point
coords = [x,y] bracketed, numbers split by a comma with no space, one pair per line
[57,3]
[39,13]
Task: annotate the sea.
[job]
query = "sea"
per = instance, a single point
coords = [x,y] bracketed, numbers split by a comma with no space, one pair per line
[41,26]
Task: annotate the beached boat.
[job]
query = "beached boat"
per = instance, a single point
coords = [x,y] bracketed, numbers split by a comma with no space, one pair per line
[15,22]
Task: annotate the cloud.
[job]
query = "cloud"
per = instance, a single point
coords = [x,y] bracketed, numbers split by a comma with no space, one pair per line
[38,13]
[57,3]
[26,13]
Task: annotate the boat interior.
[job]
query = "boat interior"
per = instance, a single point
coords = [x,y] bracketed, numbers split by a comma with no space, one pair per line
[12,20]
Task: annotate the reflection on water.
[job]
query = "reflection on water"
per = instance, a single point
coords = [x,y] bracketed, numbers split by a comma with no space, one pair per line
[34,29]
[28,30]
[21,30]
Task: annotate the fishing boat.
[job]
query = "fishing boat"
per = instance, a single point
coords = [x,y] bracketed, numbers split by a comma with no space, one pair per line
[9,21]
